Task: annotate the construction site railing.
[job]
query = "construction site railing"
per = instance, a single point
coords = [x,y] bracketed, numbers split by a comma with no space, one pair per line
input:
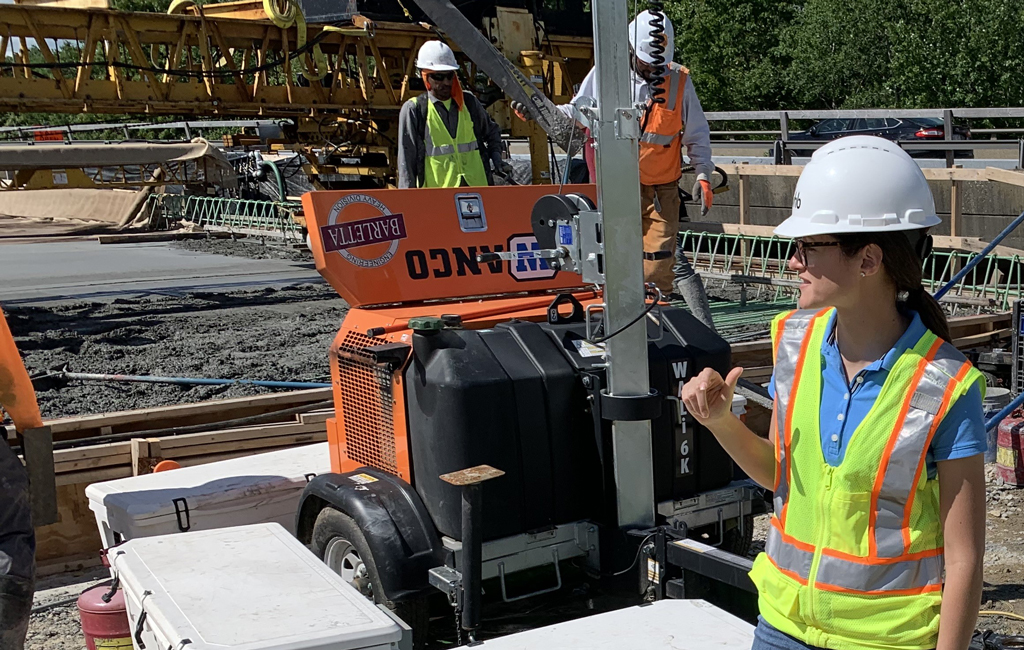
[948,143]
[244,216]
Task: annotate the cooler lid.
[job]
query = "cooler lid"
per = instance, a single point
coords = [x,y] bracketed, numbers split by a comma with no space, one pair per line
[252,478]
[246,588]
[663,625]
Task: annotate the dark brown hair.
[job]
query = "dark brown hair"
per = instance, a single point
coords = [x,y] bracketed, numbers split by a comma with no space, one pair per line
[903,266]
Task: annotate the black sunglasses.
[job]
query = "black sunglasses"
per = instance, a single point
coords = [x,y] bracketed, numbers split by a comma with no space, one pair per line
[441,76]
[802,247]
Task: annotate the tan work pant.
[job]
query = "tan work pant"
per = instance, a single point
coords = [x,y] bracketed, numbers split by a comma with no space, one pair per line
[661,225]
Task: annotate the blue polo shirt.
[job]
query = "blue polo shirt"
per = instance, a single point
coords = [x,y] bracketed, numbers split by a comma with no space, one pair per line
[845,405]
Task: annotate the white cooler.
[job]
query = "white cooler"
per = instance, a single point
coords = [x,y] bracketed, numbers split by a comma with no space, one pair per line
[663,625]
[244,588]
[248,490]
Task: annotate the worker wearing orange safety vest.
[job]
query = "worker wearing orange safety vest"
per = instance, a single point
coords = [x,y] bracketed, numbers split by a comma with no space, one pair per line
[17,538]
[875,451]
[672,118]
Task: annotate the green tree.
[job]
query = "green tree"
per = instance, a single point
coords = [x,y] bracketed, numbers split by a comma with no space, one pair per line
[732,50]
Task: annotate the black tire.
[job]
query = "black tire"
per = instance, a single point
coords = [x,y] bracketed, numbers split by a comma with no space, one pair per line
[337,535]
[736,543]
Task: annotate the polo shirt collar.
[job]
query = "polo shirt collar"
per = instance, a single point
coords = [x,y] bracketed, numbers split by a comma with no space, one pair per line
[907,341]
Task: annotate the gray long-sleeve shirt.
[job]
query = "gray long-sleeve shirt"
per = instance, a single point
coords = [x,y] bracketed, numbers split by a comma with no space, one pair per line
[412,127]
[696,132]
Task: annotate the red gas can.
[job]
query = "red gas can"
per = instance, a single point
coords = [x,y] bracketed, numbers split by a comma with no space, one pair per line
[104,624]
[1010,453]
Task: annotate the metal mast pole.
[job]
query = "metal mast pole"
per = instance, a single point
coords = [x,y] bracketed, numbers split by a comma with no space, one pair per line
[618,200]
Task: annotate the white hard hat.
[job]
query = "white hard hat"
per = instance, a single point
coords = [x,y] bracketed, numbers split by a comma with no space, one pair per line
[860,183]
[437,57]
[640,32]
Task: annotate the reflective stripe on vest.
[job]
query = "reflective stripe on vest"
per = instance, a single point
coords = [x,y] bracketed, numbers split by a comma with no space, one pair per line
[896,577]
[922,412]
[790,341]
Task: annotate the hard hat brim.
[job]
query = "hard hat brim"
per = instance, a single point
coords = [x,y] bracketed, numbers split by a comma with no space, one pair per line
[440,67]
[800,227]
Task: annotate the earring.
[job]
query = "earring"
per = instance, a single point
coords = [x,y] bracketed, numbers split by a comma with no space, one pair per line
[862,274]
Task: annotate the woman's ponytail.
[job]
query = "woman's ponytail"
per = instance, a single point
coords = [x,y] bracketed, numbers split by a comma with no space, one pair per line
[931,313]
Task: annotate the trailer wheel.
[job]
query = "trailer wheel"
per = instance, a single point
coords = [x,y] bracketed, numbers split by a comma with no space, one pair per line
[736,543]
[338,541]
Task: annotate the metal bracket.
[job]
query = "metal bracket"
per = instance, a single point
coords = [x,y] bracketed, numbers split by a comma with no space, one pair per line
[447,580]
[631,408]
[592,247]
[627,124]
[547,590]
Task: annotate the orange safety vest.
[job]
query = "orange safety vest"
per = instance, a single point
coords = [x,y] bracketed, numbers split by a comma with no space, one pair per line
[661,158]
[16,393]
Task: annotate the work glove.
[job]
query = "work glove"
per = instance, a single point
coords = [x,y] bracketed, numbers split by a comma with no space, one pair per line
[519,109]
[703,195]
[505,168]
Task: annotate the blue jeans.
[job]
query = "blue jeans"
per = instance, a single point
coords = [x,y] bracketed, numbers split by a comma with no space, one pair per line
[767,637]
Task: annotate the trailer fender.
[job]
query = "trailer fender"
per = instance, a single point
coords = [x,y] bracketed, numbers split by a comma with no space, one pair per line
[402,538]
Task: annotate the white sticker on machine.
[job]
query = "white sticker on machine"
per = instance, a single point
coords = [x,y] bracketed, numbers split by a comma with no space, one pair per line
[588,349]
[362,479]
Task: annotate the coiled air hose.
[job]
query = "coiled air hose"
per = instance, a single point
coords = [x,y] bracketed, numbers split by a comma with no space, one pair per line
[284,14]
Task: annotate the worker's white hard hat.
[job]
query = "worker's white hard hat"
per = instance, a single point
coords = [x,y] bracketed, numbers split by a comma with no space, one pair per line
[437,57]
[643,44]
[860,183]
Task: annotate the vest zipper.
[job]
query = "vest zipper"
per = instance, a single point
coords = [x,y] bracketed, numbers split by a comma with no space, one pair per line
[824,531]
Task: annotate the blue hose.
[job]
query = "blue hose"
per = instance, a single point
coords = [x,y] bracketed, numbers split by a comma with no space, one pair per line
[194,381]
[994,421]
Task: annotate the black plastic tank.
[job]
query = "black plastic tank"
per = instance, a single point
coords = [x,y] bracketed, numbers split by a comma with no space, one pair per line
[514,397]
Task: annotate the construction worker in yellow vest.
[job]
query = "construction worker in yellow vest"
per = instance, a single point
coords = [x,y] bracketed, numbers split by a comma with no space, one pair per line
[673,118]
[17,537]
[875,452]
[446,138]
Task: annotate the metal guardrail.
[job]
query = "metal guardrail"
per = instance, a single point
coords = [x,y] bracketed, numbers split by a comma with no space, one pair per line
[758,267]
[783,143]
[271,218]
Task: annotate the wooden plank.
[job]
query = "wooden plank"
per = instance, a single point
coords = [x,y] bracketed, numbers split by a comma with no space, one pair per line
[316,417]
[262,443]
[184,414]
[92,451]
[94,475]
[983,338]
[170,444]
[74,533]
[1005,176]
[92,463]
[932,174]
[956,208]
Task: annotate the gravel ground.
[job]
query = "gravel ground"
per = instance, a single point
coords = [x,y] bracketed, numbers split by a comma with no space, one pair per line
[251,247]
[271,334]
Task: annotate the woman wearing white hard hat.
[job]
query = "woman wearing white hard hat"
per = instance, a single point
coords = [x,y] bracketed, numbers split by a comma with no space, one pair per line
[875,450]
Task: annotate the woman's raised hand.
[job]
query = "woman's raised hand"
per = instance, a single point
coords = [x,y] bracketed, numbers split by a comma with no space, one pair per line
[708,397]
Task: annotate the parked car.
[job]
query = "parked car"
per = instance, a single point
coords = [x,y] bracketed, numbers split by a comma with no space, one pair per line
[904,130]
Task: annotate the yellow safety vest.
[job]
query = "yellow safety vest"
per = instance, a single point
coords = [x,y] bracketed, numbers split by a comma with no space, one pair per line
[451,162]
[854,553]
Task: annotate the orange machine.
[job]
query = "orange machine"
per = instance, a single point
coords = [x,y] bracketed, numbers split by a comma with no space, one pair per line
[395,255]
[455,363]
